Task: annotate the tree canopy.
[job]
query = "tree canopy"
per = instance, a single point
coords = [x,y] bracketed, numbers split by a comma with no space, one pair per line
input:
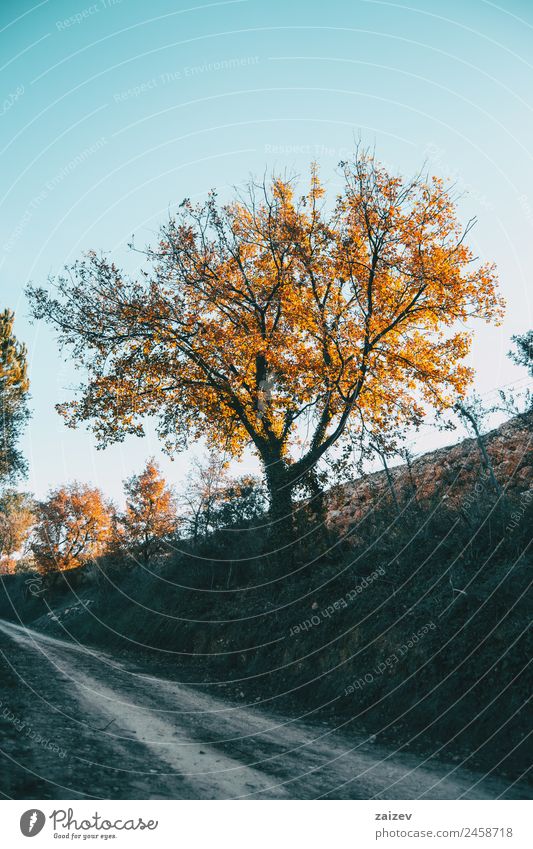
[17,518]
[150,518]
[74,525]
[279,320]
[523,353]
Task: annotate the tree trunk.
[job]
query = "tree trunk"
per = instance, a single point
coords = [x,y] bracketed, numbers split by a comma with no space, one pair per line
[281,509]
[318,510]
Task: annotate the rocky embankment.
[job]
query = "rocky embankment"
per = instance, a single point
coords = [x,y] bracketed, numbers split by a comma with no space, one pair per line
[456,475]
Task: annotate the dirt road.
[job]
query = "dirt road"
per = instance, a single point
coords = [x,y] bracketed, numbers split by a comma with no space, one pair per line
[77,723]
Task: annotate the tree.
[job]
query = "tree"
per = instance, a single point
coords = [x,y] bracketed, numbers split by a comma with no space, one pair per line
[275,315]
[473,412]
[523,355]
[17,518]
[14,386]
[150,517]
[240,501]
[385,451]
[74,525]
[212,500]
[203,489]
[519,403]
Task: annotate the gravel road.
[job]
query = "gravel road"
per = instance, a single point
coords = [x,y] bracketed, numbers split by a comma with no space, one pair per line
[78,723]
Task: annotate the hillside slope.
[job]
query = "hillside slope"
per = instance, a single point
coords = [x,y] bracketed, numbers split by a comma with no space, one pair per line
[456,474]
[414,626]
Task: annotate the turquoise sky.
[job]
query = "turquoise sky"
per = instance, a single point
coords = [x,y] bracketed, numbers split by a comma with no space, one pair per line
[112,112]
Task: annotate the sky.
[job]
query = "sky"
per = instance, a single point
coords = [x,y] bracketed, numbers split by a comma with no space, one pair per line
[112,112]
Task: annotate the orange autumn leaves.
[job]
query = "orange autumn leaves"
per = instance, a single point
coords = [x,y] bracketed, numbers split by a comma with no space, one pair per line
[76,525]
[150,517]
[279,320]
[73,525]
[369,294]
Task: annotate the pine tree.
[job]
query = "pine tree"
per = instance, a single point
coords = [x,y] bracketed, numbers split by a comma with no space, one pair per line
[14,386]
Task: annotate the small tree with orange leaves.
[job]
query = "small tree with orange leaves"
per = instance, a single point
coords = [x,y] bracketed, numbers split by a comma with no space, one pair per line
[150,518]
[74,526]
[280,322]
